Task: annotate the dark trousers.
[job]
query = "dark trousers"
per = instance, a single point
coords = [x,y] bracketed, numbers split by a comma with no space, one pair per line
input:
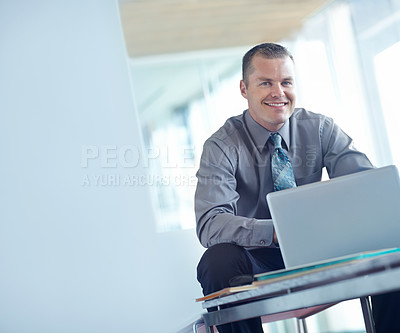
[222,262]
[386,312]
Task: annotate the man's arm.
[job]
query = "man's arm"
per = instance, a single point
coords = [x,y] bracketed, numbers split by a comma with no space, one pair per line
[339,154]
[216,202]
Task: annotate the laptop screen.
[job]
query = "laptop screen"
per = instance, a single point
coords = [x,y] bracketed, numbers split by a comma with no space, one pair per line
[342,216]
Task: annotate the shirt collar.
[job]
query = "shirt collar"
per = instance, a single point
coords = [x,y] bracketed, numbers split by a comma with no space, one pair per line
[260,135]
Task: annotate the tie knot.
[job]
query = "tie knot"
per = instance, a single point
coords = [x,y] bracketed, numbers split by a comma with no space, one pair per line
[276,140]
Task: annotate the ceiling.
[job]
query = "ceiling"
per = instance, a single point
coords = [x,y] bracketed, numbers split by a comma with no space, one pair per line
[153,27]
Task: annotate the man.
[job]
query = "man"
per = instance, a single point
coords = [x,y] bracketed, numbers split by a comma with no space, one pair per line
[239,167]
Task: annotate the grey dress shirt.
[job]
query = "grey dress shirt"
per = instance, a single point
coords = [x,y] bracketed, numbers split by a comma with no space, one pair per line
[235,173]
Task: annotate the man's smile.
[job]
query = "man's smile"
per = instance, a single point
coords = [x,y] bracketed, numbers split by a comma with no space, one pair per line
[277,104]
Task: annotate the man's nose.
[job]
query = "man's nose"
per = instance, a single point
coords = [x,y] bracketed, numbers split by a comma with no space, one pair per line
[278,91]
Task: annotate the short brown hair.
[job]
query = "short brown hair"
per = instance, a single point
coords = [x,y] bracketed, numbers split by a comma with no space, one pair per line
[266,50]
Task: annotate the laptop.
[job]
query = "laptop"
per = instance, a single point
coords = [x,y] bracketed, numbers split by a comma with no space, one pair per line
[338,217]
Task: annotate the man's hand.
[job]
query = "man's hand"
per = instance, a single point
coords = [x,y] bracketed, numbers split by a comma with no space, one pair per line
[275,240]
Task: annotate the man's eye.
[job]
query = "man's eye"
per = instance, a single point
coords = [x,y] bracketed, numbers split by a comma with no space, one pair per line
[265,83]
[287,83]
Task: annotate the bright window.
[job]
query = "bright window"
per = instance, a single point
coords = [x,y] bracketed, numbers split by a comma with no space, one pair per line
[387,75]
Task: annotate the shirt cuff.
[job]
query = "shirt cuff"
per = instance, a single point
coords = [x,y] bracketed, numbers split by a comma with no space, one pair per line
[263,233]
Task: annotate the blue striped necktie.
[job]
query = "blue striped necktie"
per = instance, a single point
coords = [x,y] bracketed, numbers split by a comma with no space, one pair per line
[282,171]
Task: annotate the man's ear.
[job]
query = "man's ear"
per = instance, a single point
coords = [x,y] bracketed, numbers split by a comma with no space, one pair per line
[243,89]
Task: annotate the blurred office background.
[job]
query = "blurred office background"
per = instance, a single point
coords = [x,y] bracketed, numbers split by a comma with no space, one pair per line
[105,106]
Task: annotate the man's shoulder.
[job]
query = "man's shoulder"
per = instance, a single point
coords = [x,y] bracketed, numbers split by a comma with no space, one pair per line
[230,130]
[303,117]
[303,114]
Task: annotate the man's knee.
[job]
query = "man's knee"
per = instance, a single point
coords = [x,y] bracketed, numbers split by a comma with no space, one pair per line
[220,263]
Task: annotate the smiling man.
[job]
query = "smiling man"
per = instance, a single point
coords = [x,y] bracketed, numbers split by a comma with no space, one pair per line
[268,86]
[270,147]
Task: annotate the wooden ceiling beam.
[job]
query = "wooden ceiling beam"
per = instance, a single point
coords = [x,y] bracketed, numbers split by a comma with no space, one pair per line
[160,26]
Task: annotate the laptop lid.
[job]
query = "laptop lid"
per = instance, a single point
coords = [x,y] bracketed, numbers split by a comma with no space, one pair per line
[338,217]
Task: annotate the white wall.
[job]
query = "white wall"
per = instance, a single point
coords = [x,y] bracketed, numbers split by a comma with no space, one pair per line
[76,257]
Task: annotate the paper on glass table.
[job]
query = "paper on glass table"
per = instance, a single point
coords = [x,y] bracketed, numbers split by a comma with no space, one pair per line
[287,274]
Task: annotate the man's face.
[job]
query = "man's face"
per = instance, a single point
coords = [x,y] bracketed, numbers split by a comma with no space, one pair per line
[270,91]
